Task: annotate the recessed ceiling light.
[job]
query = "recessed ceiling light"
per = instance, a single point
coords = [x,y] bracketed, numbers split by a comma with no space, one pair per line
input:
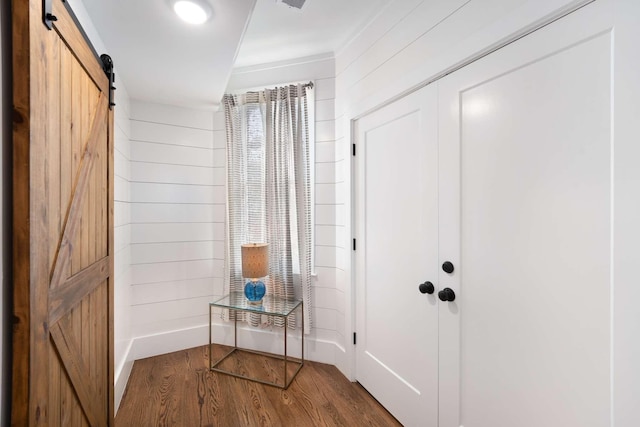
[192,11]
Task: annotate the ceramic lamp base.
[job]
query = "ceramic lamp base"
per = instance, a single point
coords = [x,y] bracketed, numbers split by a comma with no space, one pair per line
[254,291]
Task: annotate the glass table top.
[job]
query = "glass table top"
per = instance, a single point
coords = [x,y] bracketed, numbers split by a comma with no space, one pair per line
[271,304]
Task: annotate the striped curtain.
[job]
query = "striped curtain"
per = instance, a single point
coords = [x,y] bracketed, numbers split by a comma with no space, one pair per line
[269,190]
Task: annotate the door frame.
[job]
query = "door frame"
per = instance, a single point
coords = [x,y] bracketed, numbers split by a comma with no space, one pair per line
[31,273]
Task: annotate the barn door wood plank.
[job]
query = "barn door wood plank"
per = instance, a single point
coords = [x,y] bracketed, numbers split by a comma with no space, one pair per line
[83,329]
[85,218]
[77,371]
[66,132]
[54,144]
[30,220]
[77,142]
[21,196]
[72,222]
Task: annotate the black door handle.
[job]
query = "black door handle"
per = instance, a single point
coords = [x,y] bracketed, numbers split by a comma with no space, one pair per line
[447,266]
[447,294]
[426,288]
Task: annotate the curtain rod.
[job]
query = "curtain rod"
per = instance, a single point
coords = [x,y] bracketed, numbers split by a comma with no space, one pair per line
[309,85]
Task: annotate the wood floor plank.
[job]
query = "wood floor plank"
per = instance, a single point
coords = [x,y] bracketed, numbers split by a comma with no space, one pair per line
[179,389]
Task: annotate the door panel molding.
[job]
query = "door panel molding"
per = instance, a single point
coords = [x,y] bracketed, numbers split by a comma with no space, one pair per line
[396,164]
[561,38]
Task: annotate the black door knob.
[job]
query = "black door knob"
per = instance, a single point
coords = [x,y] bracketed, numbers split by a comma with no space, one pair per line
[447,267]
[426,288]
[447,294]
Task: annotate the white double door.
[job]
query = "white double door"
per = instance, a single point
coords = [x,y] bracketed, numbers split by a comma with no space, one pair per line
[505,169]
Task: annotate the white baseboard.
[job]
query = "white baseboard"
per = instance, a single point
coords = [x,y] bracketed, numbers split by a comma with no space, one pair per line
[343,362]
[168,342]
[123,370]
[262,339]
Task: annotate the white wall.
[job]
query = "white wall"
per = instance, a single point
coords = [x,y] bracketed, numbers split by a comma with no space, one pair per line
[122,243]
[178,209]
[327,334]
[409,44]
[177,231]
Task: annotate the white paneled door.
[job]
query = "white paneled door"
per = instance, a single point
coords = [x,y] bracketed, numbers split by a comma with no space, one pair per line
[513,179]
[397,172]
[525,207]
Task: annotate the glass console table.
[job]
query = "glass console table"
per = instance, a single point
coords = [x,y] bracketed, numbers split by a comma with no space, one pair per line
[272,306]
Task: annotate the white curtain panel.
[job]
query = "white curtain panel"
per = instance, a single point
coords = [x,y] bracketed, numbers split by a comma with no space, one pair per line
[269,190]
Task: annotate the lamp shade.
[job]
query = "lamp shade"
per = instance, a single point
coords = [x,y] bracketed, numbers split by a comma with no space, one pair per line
[255,260]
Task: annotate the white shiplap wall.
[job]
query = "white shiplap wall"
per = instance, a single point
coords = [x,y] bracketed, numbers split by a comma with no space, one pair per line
[177,230]
[329,230]
[122,243]
[407,45]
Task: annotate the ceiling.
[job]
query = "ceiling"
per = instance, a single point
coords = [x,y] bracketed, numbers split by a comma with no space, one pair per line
[162,59]
[277,32]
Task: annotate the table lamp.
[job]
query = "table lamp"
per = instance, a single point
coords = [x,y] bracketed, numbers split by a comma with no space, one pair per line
[255,264]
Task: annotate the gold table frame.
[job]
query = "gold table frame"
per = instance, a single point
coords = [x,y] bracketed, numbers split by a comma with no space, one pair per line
[272,306]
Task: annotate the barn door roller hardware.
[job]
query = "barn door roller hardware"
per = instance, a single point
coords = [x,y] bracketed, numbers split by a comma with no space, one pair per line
[107,66]
[47,15]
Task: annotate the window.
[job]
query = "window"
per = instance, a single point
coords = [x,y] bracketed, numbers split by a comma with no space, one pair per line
[270,175]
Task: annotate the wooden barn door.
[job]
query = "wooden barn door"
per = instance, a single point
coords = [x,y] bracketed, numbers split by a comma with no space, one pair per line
[63,223]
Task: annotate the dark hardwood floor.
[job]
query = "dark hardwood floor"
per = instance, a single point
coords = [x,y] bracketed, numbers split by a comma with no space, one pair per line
[177,389]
